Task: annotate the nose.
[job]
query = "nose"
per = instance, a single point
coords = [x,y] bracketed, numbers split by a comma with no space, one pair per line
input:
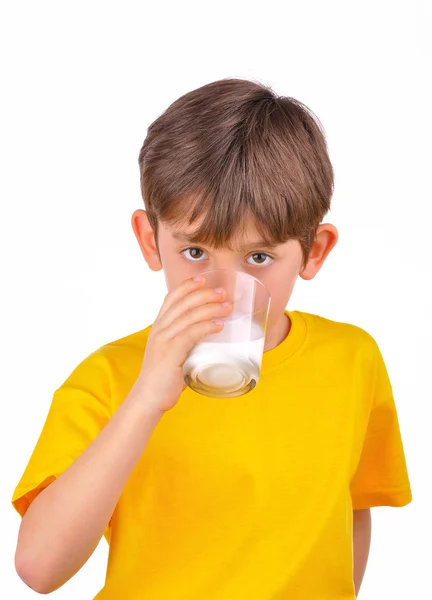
[230,277]
[226,264]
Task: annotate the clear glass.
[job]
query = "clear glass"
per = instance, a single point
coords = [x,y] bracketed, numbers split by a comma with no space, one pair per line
[228,363]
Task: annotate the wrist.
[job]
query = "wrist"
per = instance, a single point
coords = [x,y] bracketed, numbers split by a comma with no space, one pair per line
[142,402]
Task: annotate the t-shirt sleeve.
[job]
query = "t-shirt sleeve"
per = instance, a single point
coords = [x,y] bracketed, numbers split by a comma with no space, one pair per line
[79,410]
[381,477]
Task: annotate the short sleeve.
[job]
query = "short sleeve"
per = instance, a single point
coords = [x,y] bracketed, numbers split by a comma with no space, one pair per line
[79,410]
[381,477]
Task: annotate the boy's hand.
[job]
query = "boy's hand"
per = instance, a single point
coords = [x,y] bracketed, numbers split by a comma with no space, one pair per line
[183,320]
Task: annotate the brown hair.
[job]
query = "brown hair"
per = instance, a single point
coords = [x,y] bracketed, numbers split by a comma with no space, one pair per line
[233,149]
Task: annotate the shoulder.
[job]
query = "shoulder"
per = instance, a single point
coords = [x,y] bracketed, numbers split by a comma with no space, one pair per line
[325,332]
[125,350]
[118,358]
[130,344]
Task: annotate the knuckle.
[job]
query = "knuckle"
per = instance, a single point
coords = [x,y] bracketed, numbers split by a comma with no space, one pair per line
[163,336]
[224,309]
[216,294]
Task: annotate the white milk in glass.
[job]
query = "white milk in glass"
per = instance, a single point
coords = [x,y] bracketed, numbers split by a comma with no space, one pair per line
[227,364]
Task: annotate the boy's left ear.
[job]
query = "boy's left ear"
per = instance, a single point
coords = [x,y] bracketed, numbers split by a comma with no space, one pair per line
[325,240]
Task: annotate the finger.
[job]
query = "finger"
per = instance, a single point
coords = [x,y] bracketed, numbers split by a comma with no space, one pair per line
[186,287]
[206,312]
[188,303]
[189,337]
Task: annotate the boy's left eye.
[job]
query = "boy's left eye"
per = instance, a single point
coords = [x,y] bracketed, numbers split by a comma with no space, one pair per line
[196,256]
[261,255]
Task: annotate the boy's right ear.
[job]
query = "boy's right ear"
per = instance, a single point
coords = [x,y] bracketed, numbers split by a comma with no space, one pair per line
[146,239]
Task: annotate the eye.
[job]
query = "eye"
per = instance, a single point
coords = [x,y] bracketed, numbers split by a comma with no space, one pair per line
[260,256]
[195,253]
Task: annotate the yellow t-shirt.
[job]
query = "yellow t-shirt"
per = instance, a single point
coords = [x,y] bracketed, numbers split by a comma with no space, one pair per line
[249,498]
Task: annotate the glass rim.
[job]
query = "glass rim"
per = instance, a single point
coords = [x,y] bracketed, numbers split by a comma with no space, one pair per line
[241,272]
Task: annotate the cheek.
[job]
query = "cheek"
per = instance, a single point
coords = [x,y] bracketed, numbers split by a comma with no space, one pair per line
[280,287]
[177,270]
[281,283]
[174,279]
[174,274]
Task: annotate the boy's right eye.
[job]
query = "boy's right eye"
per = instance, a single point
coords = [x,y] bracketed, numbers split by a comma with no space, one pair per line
[195,253]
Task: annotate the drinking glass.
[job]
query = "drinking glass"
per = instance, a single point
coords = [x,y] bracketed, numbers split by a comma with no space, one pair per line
[227,364]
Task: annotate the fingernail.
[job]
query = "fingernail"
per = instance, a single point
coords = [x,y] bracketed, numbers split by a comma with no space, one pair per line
[226,304]
[218,290]
[197,278]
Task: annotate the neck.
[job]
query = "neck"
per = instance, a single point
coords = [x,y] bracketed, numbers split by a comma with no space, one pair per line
[277,333]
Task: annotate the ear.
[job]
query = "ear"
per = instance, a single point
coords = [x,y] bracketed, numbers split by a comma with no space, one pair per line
[146,239]
[325,240]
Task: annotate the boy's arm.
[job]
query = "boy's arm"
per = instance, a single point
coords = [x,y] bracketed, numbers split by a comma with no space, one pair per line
[361,541]
[64,523]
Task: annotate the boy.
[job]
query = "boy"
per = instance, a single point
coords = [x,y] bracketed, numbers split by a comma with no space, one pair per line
[265,496]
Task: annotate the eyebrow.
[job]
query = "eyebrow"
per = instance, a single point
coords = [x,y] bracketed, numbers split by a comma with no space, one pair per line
[254,244]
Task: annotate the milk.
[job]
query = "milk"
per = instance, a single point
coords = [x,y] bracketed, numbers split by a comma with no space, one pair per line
[228,363]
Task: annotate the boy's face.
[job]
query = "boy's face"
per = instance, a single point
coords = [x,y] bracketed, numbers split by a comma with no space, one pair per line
[277,268]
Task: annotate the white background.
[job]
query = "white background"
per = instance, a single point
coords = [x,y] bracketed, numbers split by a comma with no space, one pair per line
[82,81]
